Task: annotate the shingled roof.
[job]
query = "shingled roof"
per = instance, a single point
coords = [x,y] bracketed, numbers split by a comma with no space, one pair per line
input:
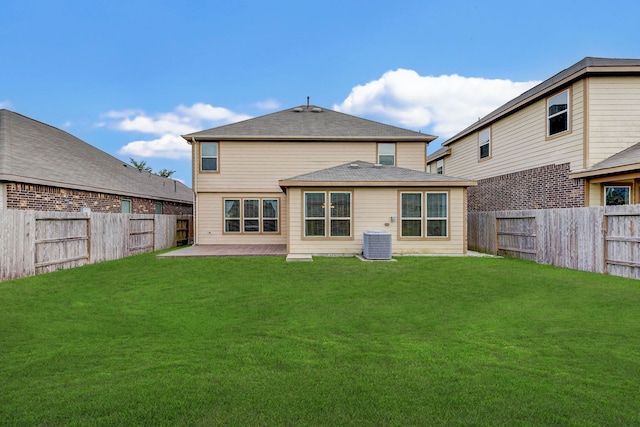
[586,67]
[309,123]
[365,174]
[36,153]
[627,160]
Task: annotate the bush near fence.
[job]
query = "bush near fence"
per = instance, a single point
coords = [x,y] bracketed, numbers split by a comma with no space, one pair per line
[598,239]
[34,242]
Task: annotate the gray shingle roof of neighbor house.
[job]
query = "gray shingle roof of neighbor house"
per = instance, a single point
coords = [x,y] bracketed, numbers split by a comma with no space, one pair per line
[309,123]
[365,174]
[586,67]
[36,153]
[624,161]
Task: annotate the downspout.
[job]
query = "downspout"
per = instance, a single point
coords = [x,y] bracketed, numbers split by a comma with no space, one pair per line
[194,188]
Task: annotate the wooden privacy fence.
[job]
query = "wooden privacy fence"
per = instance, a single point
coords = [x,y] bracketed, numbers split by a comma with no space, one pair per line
[599,239]
[34,242]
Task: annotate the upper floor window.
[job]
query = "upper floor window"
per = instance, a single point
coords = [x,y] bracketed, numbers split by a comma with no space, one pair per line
[327,214]
[125,206]
[484,143]
[209,156]
[558,113]
[440,166]
[387,153]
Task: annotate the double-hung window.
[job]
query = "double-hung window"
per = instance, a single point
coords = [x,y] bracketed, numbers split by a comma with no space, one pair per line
[327,214]
[209,157]
[440,166]
[251,215]
[558,113]
[484,143]
[387,153]
[424,214]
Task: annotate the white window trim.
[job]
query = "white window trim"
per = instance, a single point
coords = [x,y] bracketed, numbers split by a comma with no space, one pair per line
[428,217]
[604,199]
[384,154]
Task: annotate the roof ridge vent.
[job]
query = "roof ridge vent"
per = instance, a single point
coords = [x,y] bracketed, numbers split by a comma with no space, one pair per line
[354,166]
[297,110]
[316,110]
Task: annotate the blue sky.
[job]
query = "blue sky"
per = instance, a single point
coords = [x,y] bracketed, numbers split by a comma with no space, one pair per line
[130,76]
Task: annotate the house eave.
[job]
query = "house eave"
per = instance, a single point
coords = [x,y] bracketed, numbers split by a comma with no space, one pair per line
[283,138]
[604,172]
[4,178]
[384,184]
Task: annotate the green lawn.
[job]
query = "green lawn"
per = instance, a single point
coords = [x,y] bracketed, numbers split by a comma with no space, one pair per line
[259,341]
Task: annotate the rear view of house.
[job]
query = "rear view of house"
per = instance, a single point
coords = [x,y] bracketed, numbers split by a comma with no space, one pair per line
[45,168]
[315,180]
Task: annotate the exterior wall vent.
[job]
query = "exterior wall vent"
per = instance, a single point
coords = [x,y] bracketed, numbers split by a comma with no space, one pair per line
[377,245]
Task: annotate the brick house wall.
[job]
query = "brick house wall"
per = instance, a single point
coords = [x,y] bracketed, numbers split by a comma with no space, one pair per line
[47,198]
[546,187]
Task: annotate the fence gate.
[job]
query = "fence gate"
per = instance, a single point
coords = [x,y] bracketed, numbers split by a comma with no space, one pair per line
[516,237]
[623,244]
[141,235]
[184,232]
[60,243]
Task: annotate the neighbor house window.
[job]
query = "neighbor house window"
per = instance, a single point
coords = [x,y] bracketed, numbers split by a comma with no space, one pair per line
[125,206]
[387,154]
[434,214]
[558,113]
[440,166]
[209,156]
[327,214]
[617,195]
[251,215]
[158,206]
[429,168]
[484,143]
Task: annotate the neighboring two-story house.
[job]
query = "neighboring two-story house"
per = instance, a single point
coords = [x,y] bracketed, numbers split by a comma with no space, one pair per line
[47,169]
[571,141]
[316,179]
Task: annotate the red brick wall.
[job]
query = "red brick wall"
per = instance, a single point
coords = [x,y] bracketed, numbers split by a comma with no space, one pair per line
[46,198]
[546,187]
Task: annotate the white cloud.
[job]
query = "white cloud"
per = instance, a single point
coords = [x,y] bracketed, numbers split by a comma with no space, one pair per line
[167,146]
[167,127]
[268,104]
[5,104]
[447,104]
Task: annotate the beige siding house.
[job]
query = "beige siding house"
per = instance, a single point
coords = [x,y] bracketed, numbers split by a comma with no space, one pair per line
[571,141]
[316,179]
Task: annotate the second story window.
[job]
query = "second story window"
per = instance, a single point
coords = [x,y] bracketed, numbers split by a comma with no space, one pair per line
[558,113]
[440,166]
[387,153]
[209,157]
[484,143]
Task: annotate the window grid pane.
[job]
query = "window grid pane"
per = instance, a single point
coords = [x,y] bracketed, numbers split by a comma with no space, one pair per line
[616,196]
[411,214]
[437,214]
[314,205]
[558,113]
[209,156]
[232,216]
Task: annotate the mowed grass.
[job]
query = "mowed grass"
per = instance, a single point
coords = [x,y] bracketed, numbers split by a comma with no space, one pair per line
[259,341]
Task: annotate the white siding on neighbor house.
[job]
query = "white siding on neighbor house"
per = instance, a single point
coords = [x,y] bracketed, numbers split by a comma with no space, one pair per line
[519,142]
[614,115]
[210,221]
[372,210]
[257,166]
